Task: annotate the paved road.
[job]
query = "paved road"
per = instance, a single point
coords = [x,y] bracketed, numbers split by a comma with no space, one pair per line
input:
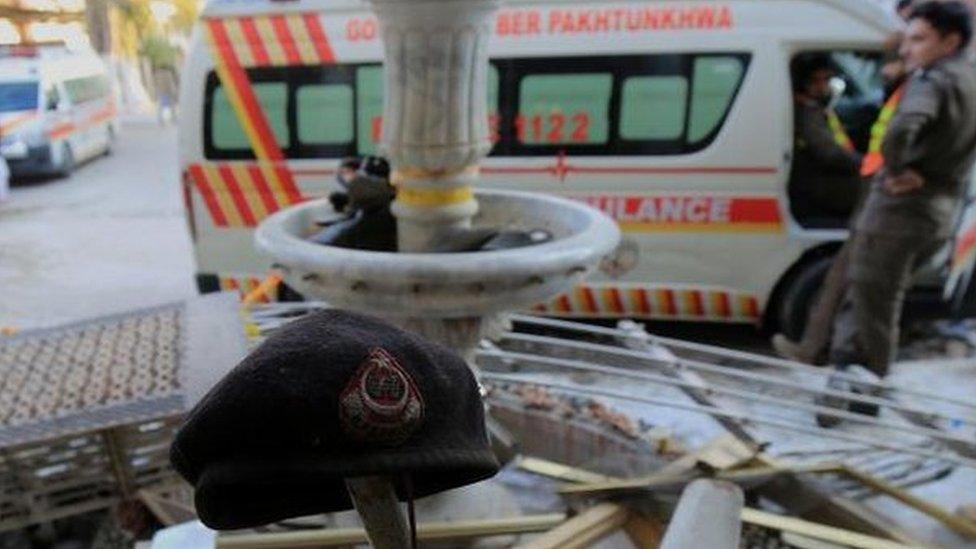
[110,238]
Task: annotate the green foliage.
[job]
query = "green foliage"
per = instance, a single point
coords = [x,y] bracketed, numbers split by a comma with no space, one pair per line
[159,51]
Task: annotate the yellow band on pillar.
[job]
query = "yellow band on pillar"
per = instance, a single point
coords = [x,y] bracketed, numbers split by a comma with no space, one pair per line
[430,198]
[405,173]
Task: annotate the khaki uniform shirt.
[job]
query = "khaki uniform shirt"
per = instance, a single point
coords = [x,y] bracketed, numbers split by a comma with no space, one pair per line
[933,133]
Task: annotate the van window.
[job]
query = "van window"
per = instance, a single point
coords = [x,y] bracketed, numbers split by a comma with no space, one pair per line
[663,104]
[18,96]
[715,80]
[369,107]
[227,132]
[325,114]
[564,108]
[87,88]
[653,107]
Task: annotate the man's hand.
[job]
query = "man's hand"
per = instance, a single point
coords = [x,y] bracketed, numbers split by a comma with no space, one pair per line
[908,181]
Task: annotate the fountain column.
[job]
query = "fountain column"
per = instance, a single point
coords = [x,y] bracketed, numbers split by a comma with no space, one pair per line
[435,119]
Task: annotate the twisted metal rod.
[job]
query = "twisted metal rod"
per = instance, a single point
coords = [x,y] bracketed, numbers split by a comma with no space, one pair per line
[729,372]
[730,353]
[742,419]
[584,366]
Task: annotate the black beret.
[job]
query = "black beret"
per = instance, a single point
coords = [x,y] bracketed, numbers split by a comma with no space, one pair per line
[326,397]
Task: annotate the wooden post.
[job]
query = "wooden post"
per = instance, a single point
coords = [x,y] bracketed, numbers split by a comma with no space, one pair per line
[707,516]
[376,502]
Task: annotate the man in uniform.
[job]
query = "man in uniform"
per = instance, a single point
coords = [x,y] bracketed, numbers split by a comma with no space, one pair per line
[914,200]
[825,180]
[813,347]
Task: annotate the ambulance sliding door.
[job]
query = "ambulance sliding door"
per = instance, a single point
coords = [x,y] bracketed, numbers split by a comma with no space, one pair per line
[667,145]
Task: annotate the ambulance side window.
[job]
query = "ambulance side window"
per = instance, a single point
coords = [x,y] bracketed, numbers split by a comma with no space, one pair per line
[663,104]
[227,132]
[87,88]
[325,114]
[714,83]
[653,107]
[369,107]
[564,108]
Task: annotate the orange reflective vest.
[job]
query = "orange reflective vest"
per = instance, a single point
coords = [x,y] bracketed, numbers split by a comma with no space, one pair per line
[837,128]
[874,159]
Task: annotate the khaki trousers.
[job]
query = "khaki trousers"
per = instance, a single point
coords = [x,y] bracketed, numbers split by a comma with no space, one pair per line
[881,268]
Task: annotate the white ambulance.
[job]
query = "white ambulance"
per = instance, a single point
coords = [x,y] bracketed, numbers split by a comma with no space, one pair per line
[57,108]
[674,117]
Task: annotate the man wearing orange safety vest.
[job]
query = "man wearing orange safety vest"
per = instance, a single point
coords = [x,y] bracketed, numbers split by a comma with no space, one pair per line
[813,346]
[824,179]
[913,203]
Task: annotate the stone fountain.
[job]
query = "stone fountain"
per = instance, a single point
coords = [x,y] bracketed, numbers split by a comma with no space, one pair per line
[435,133]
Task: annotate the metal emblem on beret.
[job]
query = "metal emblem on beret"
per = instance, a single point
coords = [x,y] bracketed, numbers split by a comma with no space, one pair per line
[380,405]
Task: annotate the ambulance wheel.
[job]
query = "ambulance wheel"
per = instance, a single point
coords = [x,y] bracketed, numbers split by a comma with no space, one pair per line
[799,296]
[67,164]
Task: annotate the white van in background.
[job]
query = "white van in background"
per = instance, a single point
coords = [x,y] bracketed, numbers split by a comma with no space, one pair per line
[57,108]
[673,117]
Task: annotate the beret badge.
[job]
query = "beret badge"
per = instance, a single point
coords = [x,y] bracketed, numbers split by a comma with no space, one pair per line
[380,405]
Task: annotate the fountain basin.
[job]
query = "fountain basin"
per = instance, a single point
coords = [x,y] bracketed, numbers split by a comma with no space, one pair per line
[445,285]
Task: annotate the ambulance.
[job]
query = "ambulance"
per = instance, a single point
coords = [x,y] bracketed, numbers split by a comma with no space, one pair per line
[57,108]
[673,117]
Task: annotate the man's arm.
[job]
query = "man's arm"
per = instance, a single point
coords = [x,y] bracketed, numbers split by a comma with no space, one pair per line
[822,146]
[918,110]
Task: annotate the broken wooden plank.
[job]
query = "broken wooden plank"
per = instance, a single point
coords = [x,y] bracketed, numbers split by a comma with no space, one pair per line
[432,531]
[584,529]
[818,531]
[958,524]
[559,471]
[747,477]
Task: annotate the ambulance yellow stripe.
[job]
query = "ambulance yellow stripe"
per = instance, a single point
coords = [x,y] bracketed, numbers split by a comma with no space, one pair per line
[277,189]
[239,42]
[231,87]
[302,40]
[247,185]
[222,194]
[270,41]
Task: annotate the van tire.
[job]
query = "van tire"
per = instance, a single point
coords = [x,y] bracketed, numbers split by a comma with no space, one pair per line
[794,305]
[67,164]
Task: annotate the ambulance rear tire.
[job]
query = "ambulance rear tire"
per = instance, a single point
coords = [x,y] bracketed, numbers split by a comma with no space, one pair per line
[794,306]
[67,164]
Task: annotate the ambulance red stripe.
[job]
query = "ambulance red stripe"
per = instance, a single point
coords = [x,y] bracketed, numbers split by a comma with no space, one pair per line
[209,198]
[697,304]
[319,39]
[264,190]
[643,305]
[237,195]
[254,42]
[286,40]
[589,301]
[667,298]
[288,182]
